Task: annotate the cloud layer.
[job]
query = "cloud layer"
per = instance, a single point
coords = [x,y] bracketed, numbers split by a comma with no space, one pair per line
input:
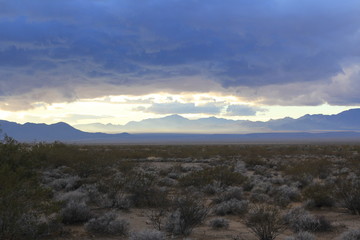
[253,48]
[182,108]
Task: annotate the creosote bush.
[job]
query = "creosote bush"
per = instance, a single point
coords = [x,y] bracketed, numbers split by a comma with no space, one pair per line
[320,195]
[189,212]
[298,219]
[265,221]
[305,171]
[230,193]
[232,206]
[157,217]
[75,212]
[144,191]
[108,224]
[219,223]
[284,194]
[223,175]
[348,193]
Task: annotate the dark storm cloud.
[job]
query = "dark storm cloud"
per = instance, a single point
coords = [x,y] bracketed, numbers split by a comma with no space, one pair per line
[247,43]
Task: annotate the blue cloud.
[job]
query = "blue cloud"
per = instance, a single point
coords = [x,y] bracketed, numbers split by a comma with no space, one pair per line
[249,43]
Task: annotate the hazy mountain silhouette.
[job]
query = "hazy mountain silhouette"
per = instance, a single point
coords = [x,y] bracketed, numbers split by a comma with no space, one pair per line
[347,120]
[317,128]
[42,132]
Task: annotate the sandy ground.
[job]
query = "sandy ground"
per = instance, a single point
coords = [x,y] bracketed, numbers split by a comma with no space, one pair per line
[340,219]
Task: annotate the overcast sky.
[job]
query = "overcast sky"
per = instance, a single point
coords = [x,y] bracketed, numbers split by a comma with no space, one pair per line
[114,61]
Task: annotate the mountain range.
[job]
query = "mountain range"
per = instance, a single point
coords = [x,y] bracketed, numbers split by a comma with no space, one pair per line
[345,121]
[341,127]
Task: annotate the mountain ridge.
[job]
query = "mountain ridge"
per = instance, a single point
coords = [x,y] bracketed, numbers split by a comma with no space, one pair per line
[346,120]
[342,127]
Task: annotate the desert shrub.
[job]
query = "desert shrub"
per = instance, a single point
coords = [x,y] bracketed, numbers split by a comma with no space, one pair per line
[32,226]
[284,194]
[96,197]
[262,186]
[212,188]
[259,197]
[73,196]
[166,181]
[28,226]
[136,188]
[330,180]
[126,166]
[112,192]
[348,193]
[122,201]
[75,212]
[279,180]
[281,200]
[298,219]
[289,191]
[147,235]
[66,183]
[157,217]
[264,221]
[324,225]
[305,171]
[224,175]
[174,175]
[190,168]
[302,236]
[108,224]
[240,167]
[321,195]
[22,205]
[23,201]
[232,206]
[152,197]
[352,234]
[260,169]
[219,223]
[254,161]
[230,193]
[85,161]
[189,212]
[248,185]
[144,190]
[257,183]
[61,179]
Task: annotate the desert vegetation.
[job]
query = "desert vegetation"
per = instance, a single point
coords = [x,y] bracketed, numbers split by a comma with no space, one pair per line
[265,192]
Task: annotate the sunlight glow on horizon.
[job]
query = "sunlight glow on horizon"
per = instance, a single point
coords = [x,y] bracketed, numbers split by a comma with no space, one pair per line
[121,109]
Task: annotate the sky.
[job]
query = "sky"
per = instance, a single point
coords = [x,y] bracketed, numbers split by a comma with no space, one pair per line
[115,61]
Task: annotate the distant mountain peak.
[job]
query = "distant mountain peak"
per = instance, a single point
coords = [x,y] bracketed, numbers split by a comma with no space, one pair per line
[61,124]
[175,116]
